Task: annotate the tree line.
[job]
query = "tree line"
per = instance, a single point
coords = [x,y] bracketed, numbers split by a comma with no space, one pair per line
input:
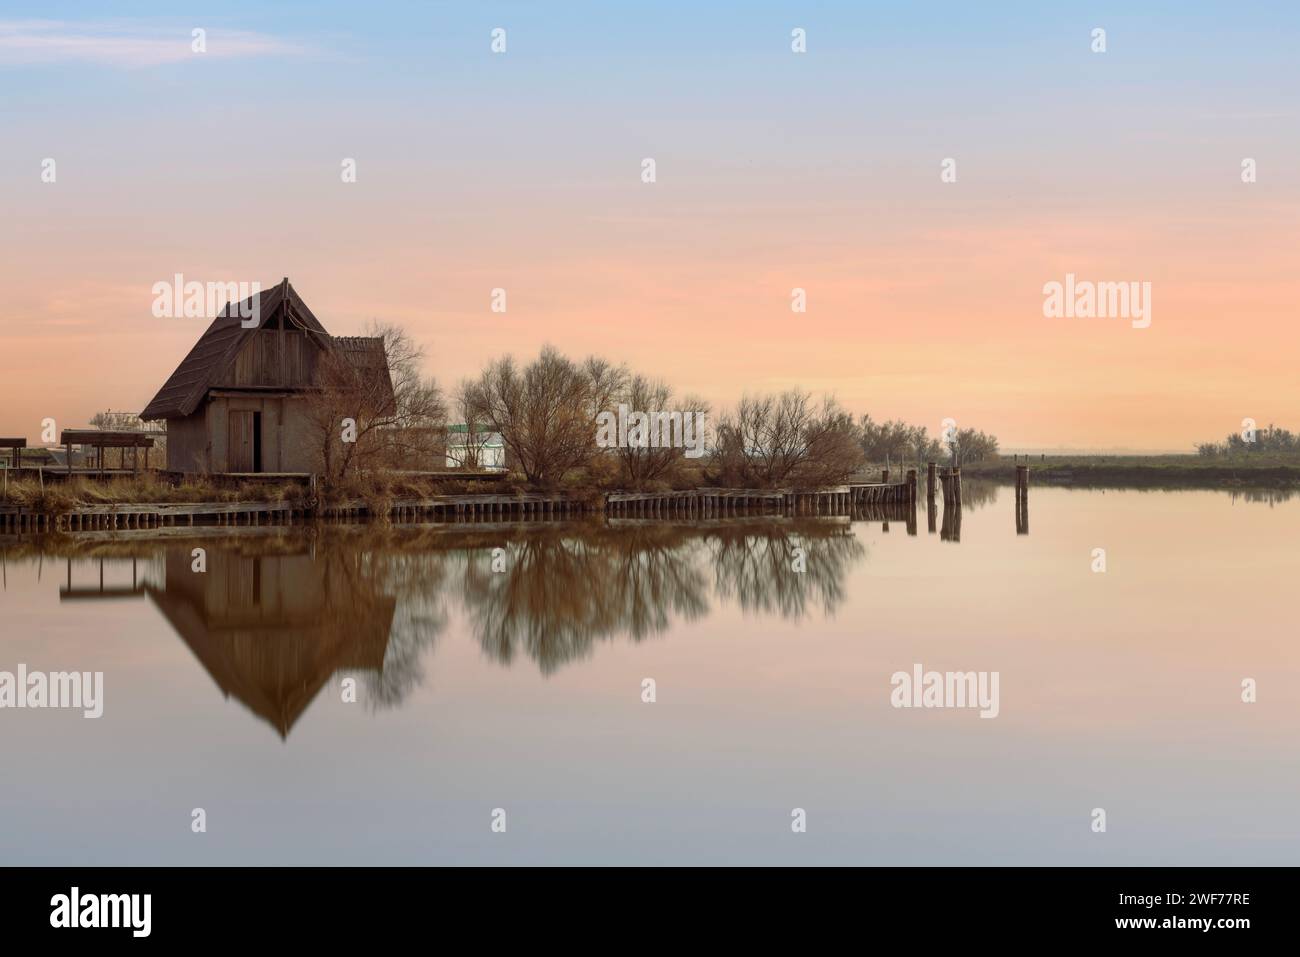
[544,413]
[1272,440]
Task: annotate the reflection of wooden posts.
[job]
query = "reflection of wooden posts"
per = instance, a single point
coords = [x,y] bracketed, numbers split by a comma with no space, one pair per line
[931,484]
[951,530]
[911,501]
[1022,499]
[950,479]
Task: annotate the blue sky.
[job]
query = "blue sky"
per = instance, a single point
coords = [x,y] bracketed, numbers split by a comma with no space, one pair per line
[479,171]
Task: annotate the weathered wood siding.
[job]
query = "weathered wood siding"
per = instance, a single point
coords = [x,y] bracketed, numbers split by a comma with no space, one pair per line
[258,363]
[188,449]
[286,444]
[241,429]
[216,437]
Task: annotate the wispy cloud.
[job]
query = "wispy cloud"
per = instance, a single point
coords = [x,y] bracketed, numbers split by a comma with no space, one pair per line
[120,45]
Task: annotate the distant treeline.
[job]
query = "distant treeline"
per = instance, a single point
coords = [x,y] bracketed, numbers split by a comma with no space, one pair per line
[1271,440]
[899,442]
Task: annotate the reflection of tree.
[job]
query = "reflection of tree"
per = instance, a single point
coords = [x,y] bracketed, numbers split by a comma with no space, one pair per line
[561,590]
[280,612]
[417,580]
[755,565]
[976,494]
[1264,496]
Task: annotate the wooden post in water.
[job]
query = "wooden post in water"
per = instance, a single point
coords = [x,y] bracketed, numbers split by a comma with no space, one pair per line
[884,476]
[931,484]
[1022,499]
[911,501]
[956,486]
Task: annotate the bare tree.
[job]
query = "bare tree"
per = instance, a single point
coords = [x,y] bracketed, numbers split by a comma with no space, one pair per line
[898,441]
[646,464]
[972,446]
[466,450]
[545,412]
[787,440]
[605,383]
[372,407]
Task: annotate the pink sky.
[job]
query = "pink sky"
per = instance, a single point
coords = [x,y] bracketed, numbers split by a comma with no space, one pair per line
[924,298]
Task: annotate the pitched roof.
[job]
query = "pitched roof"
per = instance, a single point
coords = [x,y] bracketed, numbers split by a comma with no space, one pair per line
[367,355]
[218,346]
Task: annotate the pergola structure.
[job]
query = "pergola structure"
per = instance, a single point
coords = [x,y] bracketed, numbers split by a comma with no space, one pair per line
[100,439]
[16,447]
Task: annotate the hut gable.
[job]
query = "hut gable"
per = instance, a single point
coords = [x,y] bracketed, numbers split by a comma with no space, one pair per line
[242,400]
[230,355]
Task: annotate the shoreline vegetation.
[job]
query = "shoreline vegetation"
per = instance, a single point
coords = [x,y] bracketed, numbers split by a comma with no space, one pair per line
[545,415]
[1145,471]
[52,498]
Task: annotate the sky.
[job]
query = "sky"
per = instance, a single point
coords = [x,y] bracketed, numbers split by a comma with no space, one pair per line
[774,170]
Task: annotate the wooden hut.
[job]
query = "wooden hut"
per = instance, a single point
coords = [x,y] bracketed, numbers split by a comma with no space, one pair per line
[238,403]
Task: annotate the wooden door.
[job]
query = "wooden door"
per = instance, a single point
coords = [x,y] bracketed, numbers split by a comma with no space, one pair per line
[239,450]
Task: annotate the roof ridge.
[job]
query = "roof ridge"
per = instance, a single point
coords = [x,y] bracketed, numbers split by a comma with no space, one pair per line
[217,347]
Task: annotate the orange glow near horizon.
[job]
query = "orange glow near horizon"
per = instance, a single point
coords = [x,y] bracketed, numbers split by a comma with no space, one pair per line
[917,325]
[924,298]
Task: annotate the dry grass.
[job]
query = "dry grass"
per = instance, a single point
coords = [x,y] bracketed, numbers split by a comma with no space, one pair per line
[58,497]
[377,490]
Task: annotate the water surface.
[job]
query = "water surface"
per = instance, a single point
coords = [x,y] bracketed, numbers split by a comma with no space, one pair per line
[519,686]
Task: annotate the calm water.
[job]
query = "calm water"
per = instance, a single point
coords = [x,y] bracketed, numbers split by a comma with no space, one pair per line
[521,689]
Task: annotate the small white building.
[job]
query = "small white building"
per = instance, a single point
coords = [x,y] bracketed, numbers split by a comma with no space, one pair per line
[461,449]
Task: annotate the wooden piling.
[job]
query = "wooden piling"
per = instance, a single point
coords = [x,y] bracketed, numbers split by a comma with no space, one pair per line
[1022,499]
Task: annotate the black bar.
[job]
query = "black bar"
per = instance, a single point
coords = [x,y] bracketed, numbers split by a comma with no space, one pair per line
[977,907]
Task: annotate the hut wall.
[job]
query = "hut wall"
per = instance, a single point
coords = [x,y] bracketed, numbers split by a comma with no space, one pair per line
[187,443]
[285,442]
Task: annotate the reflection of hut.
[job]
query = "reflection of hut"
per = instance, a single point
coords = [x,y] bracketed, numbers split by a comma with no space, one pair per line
[272,630]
